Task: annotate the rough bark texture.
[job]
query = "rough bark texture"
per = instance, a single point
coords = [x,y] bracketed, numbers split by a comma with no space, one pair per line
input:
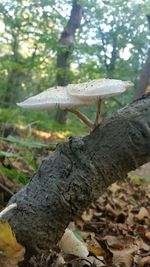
[77,173]
[65,48]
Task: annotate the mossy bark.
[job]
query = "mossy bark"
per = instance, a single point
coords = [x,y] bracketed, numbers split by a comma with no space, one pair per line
[78,172]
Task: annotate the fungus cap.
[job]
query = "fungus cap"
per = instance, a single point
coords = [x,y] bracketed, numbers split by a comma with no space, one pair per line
[52,97]
[98,87]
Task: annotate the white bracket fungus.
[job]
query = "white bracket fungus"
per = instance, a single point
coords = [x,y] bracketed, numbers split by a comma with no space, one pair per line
[73,96]
[98,88]
[51,98]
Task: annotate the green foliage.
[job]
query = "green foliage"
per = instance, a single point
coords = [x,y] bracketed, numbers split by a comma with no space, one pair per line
[8,154]
[13,174]
[112,42]
[28,144]
[45,121]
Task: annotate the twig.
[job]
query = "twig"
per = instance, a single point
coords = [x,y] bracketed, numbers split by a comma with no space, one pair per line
[4,188]
[10,207]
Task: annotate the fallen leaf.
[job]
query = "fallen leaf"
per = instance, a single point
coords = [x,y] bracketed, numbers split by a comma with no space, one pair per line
[142,245]
[60,262]
[92,261]
[147,235]
[144,261]
[87,215]
[70,244]
[114,188]
[143,213]
[111,211]
[113,242]
[94,247]
[123,257]
[11,251]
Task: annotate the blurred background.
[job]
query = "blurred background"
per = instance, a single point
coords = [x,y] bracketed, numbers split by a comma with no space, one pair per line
[44,43]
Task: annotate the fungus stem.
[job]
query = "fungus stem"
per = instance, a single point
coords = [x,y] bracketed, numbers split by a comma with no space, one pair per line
[82,117]
[98,113]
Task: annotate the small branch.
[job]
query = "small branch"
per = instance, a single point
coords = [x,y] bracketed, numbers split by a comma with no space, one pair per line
[5,189]
[78,172]
[98,113]
[82,117]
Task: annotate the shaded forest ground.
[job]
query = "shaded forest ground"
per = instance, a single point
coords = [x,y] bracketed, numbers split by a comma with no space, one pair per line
[116,228]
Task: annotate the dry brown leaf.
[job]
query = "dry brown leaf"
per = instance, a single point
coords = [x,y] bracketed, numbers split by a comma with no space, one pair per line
[87,215]
[60,262]
[5,181]
[144,261]
[113,242]
[130,219]
[143,213]
[122,257]
[147,235]
[91,261]
[142,245]
[12,262]
[114,188]
[87,235]
[19,165]
[112,211]
[94,247]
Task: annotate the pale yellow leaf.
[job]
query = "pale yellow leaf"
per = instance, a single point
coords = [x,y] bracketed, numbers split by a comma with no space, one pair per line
[11,252]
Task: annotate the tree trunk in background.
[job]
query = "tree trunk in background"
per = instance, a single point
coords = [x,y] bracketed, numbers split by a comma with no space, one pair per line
[77,173]
[110,67]
[64,52]
[144,81]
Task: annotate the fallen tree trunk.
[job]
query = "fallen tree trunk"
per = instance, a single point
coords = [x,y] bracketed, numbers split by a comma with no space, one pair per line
[77,173]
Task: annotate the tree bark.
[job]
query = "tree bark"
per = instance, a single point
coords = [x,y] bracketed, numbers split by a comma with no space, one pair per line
[77,173]
[144,81]
[65,48]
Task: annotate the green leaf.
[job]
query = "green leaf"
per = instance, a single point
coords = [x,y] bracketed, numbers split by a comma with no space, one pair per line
[14,175]
[28,144]
[78,235]
[8,154]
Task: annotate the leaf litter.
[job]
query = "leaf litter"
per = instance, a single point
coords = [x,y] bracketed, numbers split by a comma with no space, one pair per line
[115,228]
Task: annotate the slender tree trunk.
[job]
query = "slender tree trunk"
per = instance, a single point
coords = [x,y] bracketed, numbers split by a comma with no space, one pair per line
[64,53]
[144,81]
[77,173]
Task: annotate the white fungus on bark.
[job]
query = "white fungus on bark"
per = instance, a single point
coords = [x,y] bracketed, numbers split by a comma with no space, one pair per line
[98,88]
[51,98]
[73,96]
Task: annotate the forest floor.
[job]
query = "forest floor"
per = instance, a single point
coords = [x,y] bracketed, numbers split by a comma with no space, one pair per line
[116,228]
